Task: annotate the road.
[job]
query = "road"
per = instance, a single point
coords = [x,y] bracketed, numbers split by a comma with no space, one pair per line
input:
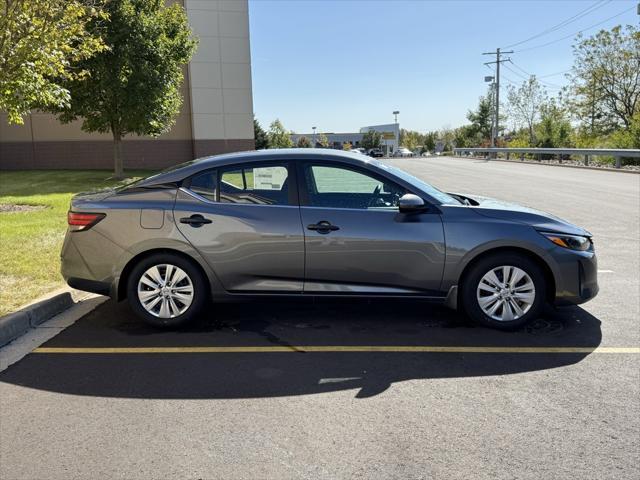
[175,413]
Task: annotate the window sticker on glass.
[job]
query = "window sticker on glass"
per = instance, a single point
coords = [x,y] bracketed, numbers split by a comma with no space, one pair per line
[269,178]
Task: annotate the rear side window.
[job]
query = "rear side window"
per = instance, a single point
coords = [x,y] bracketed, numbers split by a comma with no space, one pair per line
[205,184]
[265,185]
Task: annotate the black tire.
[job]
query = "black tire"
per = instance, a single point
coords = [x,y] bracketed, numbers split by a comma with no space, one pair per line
[469,299]
[200,291]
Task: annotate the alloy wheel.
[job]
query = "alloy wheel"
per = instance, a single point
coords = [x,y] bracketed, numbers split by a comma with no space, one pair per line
[506,293]
[165,291]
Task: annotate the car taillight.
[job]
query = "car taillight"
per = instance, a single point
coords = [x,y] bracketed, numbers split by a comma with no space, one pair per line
[83,221]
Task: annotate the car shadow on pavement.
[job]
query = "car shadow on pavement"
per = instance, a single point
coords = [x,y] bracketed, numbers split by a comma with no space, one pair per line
[326,323]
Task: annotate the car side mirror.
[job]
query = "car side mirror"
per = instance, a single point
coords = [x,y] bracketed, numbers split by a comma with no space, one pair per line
[410,203]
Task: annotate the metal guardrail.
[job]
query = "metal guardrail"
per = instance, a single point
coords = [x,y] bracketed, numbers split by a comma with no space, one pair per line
[587,153]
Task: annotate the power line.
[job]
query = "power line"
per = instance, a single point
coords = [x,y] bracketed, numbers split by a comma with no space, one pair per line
[554,74]
[530,75]
[577,16]
[576,33]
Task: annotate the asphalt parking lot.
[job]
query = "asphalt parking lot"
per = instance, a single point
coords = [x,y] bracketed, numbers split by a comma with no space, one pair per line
[304,389]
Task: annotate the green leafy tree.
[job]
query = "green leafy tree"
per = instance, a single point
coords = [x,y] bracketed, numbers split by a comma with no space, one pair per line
[465,136]
[347,146]
[554,129]
[628,138]
[260,136]
[430,141]
[278,136]
[134,87]
[605,79]
[41,41]
[447,136]
[481,119]
[303,142]
[371,139]
[525,103]
[411,139]
[322,141]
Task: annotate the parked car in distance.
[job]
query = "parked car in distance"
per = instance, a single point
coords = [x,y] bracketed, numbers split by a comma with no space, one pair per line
[403,152]
[375,153]
[304,222]
[359,150]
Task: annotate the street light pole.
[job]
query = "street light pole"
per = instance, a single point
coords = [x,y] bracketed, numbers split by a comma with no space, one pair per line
[395,116]
[314,136]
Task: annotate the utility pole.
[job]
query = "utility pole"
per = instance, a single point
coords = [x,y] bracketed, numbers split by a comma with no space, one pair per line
[498,61]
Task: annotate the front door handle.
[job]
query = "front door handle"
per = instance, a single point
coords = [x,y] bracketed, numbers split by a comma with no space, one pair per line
[323,227]
[195,220]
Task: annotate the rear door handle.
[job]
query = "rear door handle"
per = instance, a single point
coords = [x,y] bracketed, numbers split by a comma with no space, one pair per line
[195,220]
[323,227]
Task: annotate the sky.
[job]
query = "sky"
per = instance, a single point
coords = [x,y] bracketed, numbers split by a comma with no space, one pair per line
[340,64]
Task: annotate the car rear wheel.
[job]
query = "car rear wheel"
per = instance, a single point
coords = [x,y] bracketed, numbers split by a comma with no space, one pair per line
[166,290]
[504,291]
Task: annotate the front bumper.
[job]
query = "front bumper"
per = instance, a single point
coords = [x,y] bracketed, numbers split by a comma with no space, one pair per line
[578,276]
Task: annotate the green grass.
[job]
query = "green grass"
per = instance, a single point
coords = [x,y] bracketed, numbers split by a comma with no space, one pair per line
[30,242]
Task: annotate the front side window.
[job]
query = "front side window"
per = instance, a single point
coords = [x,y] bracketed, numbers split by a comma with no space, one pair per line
[262,185]
[340,187]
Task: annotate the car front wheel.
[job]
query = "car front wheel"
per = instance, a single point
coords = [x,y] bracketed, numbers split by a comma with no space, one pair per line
[166,290]
[504,291]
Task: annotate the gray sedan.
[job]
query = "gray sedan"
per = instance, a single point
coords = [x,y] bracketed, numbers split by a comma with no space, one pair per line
[300,222]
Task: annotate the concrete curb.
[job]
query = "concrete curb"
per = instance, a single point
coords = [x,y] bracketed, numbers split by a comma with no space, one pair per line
[16,324]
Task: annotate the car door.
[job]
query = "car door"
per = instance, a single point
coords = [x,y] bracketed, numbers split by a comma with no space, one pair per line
[244,220]
[357,241]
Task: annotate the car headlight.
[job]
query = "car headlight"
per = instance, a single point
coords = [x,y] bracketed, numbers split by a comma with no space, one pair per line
[572,242]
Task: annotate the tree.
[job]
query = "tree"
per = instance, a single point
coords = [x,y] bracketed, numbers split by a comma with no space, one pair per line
[347,146]
[278,135]
[525,103]
[410,139]
[447,136]
[482,119]
[322,141]
[371,139]
[554,129]
[260,136]
[605,78]
[629,138]
[303,142]
[40,42]
[134,86]
[430,141]
[465,137]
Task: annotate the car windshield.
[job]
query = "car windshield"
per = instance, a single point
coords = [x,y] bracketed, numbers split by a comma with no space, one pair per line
[429,189]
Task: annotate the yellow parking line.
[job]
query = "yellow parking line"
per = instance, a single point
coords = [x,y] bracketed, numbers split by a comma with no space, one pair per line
[336,349]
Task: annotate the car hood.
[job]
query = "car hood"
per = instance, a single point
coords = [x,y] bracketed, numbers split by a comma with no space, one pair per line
[491,207]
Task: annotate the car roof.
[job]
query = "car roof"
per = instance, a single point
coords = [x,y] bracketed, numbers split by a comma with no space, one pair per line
[182,171]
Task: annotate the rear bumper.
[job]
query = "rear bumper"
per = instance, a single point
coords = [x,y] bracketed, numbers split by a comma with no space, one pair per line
[86,262]
[93,286]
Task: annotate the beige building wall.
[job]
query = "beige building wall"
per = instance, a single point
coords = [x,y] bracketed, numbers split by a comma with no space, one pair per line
[216,116]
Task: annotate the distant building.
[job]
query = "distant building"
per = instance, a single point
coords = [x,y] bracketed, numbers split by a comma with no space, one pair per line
[390,135]
[216,115]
